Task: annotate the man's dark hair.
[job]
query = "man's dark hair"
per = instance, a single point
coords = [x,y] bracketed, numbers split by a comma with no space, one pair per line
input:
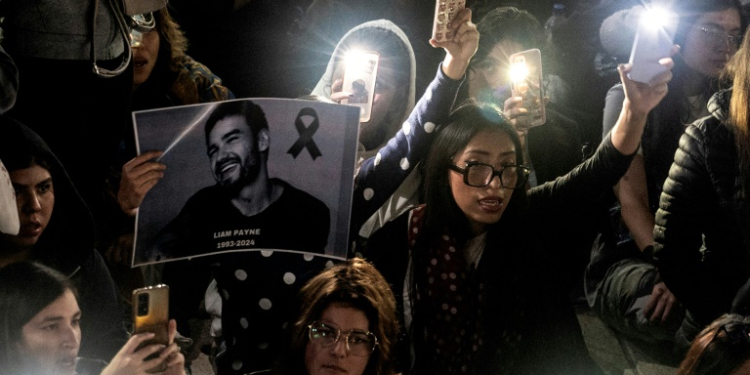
[253,114]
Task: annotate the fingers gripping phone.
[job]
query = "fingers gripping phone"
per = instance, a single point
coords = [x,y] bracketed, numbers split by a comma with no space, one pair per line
[526,80]
[151,314]
[445,12]
[653,41]
[360,74]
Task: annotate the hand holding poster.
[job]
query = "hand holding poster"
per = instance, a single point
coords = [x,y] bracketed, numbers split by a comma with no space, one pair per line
[260,174]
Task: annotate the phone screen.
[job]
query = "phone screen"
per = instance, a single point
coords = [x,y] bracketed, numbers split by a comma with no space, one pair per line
[526,80]
[360,75]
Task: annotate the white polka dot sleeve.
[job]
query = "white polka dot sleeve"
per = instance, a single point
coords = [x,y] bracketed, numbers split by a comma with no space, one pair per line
[380,175]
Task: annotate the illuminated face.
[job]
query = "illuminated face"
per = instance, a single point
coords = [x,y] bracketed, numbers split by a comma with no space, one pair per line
[706,48]
[483,205]
[336,359]
[374,132]
[51,338]
[488,77]
[234,153]
[144,57]
[35,197]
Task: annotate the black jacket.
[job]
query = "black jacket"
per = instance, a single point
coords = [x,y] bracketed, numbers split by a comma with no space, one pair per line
[520,271]
[702,225]
[67,245]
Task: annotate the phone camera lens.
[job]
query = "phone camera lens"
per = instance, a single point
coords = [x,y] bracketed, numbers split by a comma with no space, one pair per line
[143,304]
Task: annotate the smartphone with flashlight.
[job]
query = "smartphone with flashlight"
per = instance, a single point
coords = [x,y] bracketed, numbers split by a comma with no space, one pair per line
[526,81]
[151,314]
[360,75]
[653,41]
[445,12]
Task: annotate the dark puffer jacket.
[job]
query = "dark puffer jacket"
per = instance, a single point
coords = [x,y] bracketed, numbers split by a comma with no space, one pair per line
[703,222]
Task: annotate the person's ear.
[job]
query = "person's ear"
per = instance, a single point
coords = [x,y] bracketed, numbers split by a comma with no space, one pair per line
[264,140]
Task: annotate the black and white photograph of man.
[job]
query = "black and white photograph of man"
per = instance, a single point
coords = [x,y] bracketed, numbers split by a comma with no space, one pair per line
[246,207]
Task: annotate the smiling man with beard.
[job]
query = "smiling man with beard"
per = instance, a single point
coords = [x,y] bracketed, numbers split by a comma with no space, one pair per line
[245,209]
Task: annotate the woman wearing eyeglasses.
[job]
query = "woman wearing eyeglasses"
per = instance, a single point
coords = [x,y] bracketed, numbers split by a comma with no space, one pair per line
[702,233]
[346,323]
[623,285]
[480,295]
[722,348]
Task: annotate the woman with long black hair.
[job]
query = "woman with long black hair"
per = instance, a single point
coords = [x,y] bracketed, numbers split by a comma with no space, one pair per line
[469,267]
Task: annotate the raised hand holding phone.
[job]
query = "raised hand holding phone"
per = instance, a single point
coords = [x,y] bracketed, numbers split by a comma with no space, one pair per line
[526,106]
[462,47]
[653,42]
[131,360]
[640,99]
[360,76]
[151,314]
[445,13]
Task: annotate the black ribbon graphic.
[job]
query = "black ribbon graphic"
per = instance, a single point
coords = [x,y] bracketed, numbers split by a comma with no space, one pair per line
[305,134]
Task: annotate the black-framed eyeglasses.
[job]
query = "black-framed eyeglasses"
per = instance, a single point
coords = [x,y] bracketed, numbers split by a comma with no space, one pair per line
[734,332]
[476,174]
[359,343]
[719,36]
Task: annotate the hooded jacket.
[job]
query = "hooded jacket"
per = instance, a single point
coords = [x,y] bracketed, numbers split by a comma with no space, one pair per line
[67,245]
[323,88]
[405,195]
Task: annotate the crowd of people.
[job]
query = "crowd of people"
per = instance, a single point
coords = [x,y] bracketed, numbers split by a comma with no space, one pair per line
[472,233]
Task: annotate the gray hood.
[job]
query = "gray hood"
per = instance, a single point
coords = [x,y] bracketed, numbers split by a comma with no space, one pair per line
[323,87]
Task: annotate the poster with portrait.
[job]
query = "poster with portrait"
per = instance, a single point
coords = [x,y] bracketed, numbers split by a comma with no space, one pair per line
[247,175]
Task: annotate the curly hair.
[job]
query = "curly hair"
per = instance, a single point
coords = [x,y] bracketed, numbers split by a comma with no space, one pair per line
[355,283]
[172,41]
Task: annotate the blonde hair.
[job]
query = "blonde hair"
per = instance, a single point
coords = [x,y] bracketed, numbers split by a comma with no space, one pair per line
[739,106]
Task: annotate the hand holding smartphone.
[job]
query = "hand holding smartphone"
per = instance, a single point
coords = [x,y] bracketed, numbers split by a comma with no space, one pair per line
[653,42]
[151,314]
[360,75]
[526,82]
[445,12]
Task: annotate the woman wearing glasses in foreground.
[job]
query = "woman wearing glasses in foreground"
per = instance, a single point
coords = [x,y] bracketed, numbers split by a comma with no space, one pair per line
[480,296]
[346,323]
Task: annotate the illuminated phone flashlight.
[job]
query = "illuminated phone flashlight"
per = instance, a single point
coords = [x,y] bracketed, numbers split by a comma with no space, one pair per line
[519,71]
[359,63]
[656,17]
